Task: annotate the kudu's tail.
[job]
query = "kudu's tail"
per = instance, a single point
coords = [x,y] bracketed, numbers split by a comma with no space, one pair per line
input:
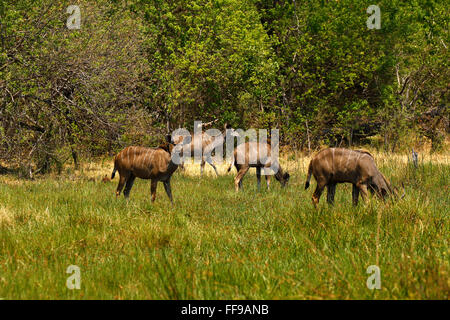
[308,178]
[114,171]
[231,165]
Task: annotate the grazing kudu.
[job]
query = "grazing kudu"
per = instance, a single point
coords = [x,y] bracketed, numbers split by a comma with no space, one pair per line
[338,165]
[204,144]
[147,163]
[256,155]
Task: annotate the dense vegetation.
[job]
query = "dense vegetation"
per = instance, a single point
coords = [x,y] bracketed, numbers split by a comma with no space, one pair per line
[136,69]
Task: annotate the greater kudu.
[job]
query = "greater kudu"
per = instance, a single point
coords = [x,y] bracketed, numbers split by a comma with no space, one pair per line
[257,155]
[338,165]
[156,164]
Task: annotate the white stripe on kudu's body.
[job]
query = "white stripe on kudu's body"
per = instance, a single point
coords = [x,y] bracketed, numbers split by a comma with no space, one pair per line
[340,162]
[332,160]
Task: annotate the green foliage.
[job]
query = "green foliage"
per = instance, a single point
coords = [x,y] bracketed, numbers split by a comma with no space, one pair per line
[209,58]
[134,71]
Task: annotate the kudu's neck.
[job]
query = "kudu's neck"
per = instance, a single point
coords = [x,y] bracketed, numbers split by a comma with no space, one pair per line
[176,153]
[279,174]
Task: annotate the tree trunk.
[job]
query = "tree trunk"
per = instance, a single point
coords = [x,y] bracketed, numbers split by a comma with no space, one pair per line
[75,158]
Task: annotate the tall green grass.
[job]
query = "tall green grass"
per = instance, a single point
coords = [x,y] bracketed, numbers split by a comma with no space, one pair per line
[214,243]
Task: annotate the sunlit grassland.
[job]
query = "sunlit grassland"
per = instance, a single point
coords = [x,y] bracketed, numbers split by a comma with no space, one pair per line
[214,243]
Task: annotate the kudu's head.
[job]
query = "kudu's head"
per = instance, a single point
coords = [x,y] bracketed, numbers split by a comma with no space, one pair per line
[175,148]
[282,177]
[382,187]
[168,145]
[228,130]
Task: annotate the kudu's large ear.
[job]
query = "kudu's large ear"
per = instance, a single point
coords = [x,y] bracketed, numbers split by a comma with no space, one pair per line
[229,130]
[164,146]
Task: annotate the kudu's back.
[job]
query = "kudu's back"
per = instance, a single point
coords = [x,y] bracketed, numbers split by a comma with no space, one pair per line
[144,163]
[338,165]
[343,165]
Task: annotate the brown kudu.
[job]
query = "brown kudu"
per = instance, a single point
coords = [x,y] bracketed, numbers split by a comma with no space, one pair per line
[155,164]
[204,144]
[257,155]
[338,165]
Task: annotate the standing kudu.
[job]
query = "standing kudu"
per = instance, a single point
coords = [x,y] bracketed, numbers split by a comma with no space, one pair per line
[204,144]
[147,163]
[338,165]
[256,155]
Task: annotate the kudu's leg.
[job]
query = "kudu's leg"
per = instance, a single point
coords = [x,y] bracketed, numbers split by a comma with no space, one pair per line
[363,190]
[168,190]
[153,189]
[129,185]
[258,177]
[239,177]
[355,194]
[182,168]
[122,180]
[266,173]
[331,189]
[211,163]
[202,166]
[318,192]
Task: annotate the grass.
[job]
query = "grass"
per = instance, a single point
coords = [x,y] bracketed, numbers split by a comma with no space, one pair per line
[214,243]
